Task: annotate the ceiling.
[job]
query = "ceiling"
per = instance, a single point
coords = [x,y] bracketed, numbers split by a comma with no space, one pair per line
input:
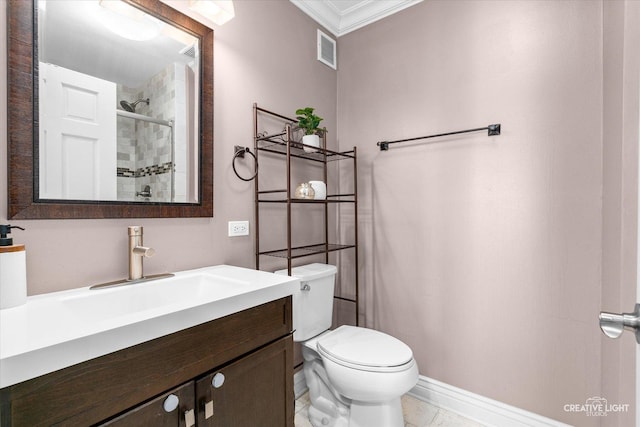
[343,16]
[71,35]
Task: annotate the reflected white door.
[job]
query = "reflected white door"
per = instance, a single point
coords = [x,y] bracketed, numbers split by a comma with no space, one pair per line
[78,153]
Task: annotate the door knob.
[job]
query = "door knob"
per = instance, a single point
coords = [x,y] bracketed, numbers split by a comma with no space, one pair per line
[613,324]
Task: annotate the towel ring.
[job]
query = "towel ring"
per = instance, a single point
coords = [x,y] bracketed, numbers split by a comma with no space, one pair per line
[240,154]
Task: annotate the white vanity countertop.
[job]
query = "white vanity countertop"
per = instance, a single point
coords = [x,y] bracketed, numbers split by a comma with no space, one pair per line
[56,330]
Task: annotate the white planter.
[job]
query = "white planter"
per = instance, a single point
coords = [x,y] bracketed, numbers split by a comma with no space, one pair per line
[309,142]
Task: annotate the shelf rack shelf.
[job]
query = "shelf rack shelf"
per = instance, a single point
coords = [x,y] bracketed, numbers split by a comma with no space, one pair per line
[296,149]
[303,251]
[282,143]
[319,202]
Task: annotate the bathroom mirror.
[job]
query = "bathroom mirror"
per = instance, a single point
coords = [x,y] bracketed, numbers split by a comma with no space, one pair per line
[111,110]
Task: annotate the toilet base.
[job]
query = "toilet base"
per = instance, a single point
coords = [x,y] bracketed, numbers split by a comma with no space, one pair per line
[329,409]
[319,418]
[379,414]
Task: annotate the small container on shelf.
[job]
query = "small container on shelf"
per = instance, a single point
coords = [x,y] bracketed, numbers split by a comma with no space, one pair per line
[305,191]
[320,189]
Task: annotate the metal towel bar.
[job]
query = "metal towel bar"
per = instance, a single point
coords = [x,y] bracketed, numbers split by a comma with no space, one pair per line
[492,130]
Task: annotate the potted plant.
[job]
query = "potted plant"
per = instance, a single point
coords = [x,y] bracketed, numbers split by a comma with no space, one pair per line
[309,122]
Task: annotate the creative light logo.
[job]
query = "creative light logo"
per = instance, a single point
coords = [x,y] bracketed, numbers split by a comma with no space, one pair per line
[596,407]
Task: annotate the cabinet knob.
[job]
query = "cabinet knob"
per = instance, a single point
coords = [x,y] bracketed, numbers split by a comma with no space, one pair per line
[171,403]
[218,380]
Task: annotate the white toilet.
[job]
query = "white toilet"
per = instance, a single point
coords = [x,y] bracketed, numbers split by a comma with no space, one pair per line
[355,375]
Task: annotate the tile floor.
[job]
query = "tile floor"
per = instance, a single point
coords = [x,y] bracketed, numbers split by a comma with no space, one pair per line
[416,414]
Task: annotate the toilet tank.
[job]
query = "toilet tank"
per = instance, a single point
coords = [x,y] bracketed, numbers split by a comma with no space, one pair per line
[313,302]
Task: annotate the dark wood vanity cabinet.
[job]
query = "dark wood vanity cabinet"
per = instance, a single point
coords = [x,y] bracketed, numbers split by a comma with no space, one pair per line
[236,371]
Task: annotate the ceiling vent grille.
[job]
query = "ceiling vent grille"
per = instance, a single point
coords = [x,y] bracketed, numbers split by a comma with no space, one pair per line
[327,50]
[189,51]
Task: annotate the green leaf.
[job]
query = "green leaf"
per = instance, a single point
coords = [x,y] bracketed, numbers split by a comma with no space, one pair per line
[307,120]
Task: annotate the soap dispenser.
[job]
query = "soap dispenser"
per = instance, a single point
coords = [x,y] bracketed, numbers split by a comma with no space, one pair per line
[13,270]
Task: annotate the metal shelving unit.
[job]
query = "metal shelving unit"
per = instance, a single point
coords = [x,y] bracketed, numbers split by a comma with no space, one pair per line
[283,144]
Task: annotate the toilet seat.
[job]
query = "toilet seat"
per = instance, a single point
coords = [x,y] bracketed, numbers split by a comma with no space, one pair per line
[365,349]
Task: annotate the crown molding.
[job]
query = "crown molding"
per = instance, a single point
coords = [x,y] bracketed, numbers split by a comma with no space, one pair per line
[363,13]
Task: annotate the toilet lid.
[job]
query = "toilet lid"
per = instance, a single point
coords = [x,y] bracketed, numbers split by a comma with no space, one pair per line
[364,347]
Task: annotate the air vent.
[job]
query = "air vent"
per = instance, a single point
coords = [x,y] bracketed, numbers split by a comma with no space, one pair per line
[189,51]
[327,50]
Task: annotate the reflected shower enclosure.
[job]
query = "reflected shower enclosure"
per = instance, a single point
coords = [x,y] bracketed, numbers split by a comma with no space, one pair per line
[151,154]
[145,158]
[153,138]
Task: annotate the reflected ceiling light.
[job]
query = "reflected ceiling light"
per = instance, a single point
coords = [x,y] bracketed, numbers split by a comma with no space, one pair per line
[218,11]
[128,21]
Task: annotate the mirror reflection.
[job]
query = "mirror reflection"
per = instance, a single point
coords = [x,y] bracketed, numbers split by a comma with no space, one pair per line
[118,104]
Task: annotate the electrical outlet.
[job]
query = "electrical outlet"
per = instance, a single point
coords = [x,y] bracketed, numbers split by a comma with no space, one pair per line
[238,228]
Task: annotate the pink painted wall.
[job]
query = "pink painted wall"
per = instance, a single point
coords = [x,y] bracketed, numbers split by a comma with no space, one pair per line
[485,254]
[266,54]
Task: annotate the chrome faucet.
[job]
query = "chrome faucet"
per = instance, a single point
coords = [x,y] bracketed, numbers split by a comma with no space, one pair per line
[137,252]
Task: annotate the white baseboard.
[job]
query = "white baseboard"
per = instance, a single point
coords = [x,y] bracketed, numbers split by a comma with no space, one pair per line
[478,408]
[469,405]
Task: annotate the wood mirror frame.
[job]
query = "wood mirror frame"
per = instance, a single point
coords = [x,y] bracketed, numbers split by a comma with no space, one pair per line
[22,125]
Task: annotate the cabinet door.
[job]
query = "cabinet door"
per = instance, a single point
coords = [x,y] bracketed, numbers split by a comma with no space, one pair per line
[172,409]
[256,390]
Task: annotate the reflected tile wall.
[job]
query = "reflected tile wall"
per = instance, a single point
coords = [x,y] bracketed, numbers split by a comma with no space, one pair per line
[144,148]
